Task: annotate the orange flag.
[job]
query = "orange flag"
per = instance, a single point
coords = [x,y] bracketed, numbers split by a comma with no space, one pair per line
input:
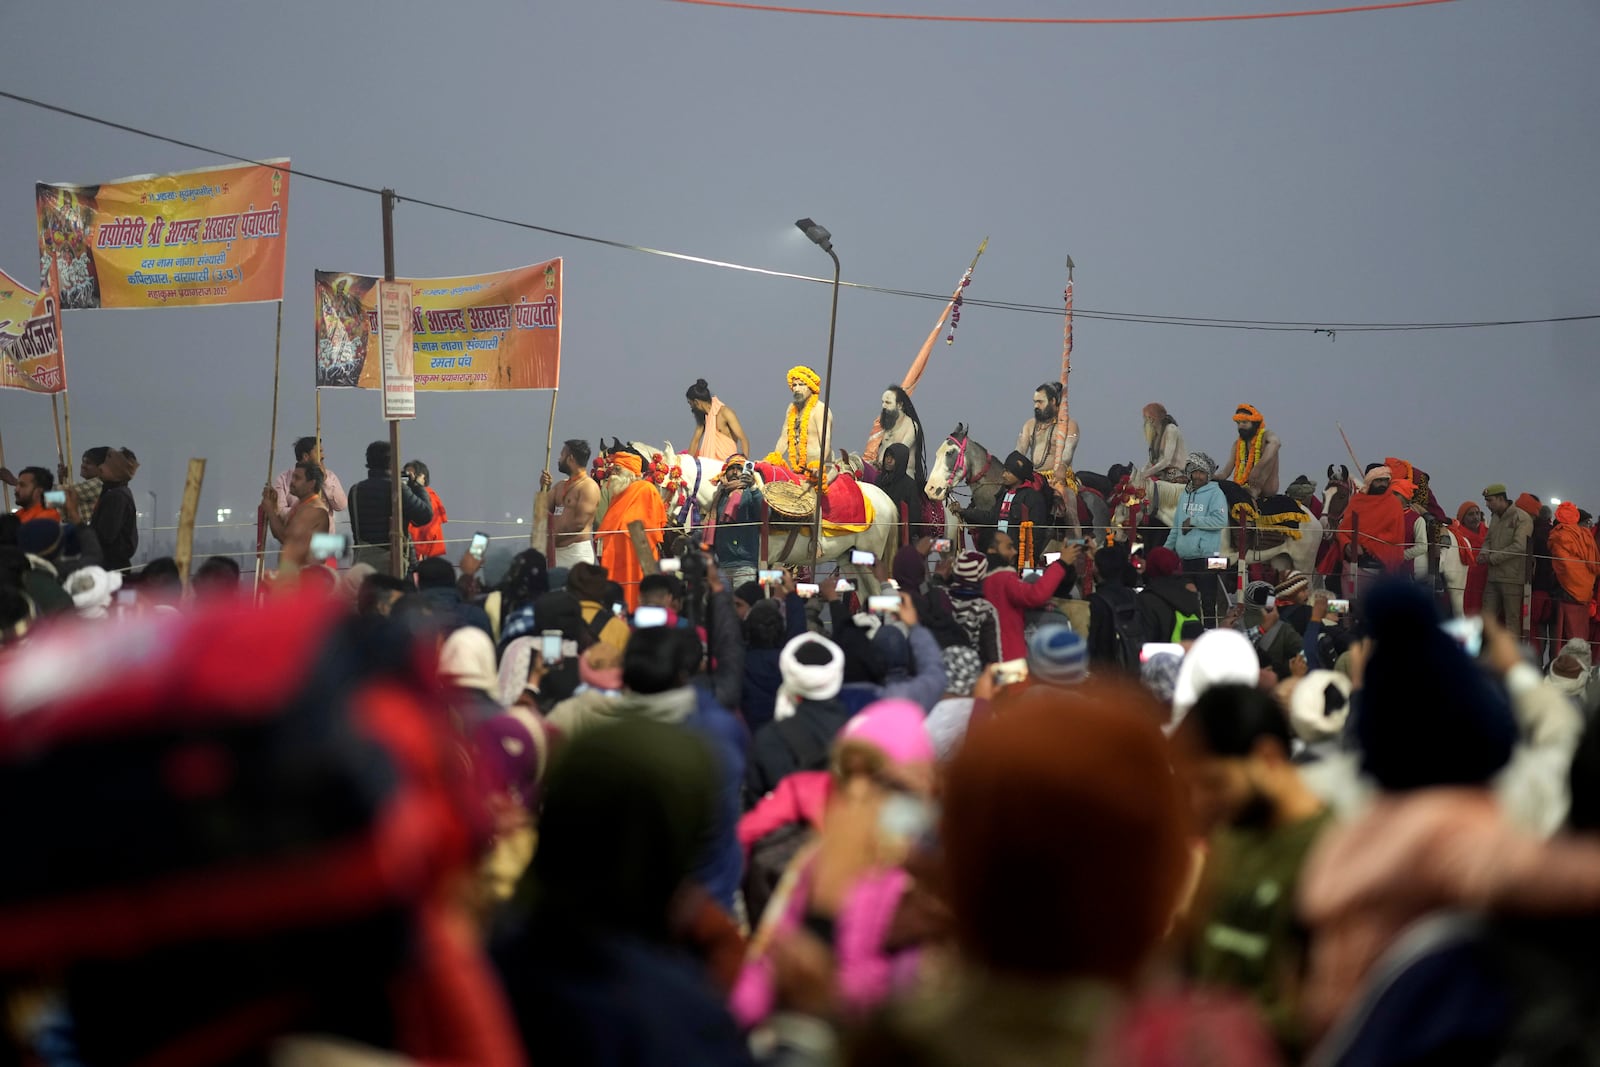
[920,364]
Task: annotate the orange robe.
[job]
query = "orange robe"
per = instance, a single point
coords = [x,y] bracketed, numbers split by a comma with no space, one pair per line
[639,501]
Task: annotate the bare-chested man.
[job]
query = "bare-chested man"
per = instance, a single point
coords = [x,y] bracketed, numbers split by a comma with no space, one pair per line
[572,506]
[308,516]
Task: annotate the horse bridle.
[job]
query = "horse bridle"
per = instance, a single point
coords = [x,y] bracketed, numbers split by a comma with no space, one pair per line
[960,464]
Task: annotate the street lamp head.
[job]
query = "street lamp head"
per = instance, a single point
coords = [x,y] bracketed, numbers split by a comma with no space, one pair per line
[817,234]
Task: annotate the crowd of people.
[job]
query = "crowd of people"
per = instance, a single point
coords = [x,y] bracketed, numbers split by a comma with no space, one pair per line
[1084,806]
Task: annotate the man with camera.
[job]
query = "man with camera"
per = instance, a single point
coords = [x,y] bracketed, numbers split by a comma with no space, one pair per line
[736,522]
[1196,534]
[372,508]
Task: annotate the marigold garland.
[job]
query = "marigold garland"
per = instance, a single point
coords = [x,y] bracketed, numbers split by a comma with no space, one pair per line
[1244,463]
[798,432]
[1025,544]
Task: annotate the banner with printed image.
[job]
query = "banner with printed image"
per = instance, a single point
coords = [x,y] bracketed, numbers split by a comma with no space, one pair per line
[478,332]
[190,239]
[31,355]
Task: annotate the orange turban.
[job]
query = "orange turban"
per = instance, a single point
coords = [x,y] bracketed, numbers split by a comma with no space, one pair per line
[1404,486]
[1400,468]
[1461,512]
[1567,514]
[628,462]
[1248,413]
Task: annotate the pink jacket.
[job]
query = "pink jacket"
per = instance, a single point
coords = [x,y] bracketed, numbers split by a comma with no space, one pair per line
[801,797]
[867,972]
[1416,853]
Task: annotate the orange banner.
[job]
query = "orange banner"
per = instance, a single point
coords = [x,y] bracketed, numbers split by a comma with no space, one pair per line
[481,331]
[195,238]
[31,355]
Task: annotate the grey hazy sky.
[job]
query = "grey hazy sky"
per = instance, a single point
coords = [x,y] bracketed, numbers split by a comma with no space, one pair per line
[1434,164]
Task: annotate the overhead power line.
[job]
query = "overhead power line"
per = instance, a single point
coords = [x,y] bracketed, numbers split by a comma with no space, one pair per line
[1136,318]
[1017,20]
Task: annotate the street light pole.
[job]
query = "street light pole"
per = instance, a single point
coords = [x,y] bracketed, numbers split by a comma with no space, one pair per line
[824,240]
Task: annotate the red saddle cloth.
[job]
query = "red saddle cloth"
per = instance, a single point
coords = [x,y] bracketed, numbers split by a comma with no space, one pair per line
[842,505]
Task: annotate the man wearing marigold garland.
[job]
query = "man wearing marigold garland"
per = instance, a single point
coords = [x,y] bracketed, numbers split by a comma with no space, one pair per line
[1255,454]
[799,445]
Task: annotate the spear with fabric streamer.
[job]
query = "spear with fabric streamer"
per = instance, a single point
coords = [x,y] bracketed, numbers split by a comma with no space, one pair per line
[1058,443]
[920,363]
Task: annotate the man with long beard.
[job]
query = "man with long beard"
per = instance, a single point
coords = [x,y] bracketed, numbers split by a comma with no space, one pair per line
[1165,441]
[1255,454]
[805,423]
[633,497]
[1037,439]
[902,425]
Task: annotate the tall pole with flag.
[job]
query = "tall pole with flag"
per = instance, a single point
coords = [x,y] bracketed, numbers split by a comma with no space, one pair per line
[1063,472]
[952,312]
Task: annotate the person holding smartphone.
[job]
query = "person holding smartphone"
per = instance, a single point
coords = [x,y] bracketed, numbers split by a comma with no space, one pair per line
[1196,534]
[31,486]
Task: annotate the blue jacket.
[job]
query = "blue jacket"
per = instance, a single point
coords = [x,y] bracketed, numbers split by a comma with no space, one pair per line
[1206,510]
[737,541]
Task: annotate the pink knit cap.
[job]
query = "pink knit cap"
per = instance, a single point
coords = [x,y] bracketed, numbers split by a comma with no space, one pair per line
[897,728]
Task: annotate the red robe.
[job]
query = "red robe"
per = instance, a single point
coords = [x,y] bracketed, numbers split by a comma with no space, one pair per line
[1385,528]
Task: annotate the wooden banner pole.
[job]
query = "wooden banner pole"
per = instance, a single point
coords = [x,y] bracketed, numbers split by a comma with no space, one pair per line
[5,490]
[272,450]
[191,504]
[540,536]
[66,418]
[55,419]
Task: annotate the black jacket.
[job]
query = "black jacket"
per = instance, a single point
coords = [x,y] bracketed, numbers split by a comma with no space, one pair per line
[116,523]
[1027,505]
[798,743]
[371,507]
[1161,601]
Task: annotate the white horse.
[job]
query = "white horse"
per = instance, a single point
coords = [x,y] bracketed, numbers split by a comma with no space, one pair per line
[880,538]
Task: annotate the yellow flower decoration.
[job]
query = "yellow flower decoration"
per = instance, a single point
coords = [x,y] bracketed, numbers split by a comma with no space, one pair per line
[806,377]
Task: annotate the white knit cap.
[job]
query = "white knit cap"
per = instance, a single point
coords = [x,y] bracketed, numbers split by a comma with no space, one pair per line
[91,589]
[1219,657]
[1313,712]
[808,681]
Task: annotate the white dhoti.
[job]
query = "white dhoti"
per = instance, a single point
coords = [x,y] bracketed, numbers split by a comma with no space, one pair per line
[568,555]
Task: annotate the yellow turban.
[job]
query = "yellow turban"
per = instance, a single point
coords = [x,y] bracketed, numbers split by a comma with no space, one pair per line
[806,377]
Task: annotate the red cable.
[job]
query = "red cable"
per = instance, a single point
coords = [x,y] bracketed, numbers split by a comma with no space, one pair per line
[739,5]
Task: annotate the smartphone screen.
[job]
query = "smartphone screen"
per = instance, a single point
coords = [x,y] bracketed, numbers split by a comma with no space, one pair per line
[326,546]
[648,616]
[941,545]
[550,646]
[770,577]
[883,603]
[55,498]
[669,565]
[862,557]
[480,545]
[1156,648]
